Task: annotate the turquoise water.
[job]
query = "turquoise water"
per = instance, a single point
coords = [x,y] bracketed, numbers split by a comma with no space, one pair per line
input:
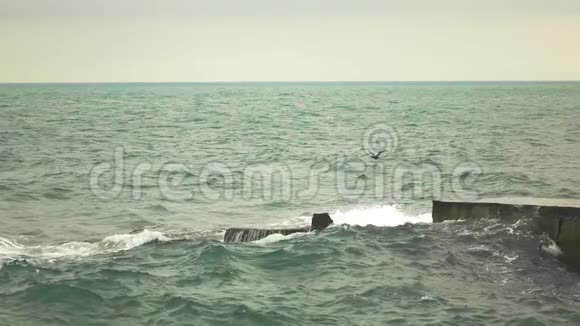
[113,201]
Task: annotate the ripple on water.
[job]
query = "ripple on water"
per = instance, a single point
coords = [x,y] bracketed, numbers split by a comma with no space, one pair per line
[51,137]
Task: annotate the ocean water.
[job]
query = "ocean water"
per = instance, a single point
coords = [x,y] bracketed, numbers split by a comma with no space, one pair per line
[114,199]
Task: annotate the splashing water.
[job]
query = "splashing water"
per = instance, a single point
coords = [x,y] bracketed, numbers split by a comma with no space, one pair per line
[384,215]
[380,215]
[13,250]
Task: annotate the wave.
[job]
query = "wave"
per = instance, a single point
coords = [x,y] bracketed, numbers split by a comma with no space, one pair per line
[12,250]
[279,237]
[376,215]
[382,216]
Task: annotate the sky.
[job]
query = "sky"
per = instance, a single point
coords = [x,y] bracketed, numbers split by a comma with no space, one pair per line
[288,40]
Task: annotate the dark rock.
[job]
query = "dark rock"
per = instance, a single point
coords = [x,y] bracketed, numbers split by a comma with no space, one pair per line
[320,222]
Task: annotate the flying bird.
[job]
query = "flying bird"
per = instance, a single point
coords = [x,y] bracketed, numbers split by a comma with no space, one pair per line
[377,155]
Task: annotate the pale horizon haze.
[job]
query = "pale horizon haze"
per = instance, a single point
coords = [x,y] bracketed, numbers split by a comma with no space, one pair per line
[259,40]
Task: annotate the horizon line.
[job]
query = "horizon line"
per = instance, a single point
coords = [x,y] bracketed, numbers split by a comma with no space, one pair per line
[290,82]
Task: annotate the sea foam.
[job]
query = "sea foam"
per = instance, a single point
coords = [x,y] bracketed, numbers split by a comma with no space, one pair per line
[377,215]
[10,250]
[381,215]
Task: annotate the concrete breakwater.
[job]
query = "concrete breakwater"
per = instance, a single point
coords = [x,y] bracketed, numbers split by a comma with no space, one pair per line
[319,222]
[558,218]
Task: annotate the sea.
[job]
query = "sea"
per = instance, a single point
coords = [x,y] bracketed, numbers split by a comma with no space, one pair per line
[114,199]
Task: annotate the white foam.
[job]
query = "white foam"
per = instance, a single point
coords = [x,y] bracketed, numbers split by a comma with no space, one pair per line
[129,241]
[278,237]
[426,298]
[376,215]
[119,242]
[381,215]
[550,247]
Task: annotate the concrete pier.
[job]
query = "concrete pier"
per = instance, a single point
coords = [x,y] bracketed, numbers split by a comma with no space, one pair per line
[559,218]
[319,222]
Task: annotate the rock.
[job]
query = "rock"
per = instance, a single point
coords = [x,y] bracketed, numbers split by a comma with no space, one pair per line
[320,222]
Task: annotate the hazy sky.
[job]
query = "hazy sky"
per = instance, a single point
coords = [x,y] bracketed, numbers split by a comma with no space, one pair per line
[288,40]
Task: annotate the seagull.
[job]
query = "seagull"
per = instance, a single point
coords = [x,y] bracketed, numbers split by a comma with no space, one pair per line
[376,156]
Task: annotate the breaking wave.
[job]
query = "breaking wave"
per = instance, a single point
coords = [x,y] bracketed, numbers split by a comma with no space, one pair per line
[376,215]
[384,215]
[12,250]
